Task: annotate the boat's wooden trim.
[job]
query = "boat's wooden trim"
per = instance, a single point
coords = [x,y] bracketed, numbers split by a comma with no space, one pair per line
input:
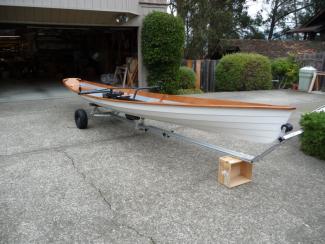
[182,100]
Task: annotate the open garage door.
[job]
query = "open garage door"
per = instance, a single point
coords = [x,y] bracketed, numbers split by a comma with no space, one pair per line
[40,52]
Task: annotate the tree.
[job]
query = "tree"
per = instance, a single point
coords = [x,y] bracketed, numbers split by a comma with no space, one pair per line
[254,28]
[311,10]
[195,17]
[208,21]
[281,12]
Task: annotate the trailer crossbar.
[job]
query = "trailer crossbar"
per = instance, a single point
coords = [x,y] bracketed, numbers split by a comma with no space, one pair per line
[172,134]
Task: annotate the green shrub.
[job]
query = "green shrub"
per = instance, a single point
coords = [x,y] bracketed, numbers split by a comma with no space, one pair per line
[170,87]
[243,72]
[186,78]
[162,49]
[286,70]
[183,84]
[189,91]
[313,138]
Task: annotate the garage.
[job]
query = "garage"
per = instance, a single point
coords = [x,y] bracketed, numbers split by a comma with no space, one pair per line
[54,52]
[43,41]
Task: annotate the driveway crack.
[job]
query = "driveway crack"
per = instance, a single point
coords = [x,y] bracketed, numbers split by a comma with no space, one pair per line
[150,238]
[83,175]
[100,193]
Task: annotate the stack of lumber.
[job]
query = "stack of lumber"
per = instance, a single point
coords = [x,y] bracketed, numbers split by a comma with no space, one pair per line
[316,82]
[132,74]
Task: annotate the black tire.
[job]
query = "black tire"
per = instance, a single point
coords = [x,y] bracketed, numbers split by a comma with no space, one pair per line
[81,119]
[131,117]
[288,127]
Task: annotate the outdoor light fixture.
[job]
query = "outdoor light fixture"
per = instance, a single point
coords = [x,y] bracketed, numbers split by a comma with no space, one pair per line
[121,19]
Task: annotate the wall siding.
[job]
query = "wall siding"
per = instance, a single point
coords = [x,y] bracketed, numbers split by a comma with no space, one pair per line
[128,6]
[53,16]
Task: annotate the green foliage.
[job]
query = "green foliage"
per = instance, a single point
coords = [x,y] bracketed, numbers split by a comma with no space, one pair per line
[183,84]
[162,48]
[282,14]
[189,91]
[243,72]
[206,22]
[170,87]
[186,78]
[286,70]
[311,10]
[313,138]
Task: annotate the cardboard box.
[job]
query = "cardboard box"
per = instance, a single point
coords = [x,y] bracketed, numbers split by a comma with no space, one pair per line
[234,172]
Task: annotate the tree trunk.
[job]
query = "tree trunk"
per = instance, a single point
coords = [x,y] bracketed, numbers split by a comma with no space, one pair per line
[273,19]
[271,29]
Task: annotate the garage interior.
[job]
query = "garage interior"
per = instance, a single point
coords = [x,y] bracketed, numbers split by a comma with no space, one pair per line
[40,53]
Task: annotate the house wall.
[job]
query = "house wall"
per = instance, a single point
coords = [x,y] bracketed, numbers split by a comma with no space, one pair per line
[53,16]
[145,7]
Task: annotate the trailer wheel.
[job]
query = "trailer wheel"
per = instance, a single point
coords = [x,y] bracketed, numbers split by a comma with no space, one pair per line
[288,127]
[81,119]
[131,117]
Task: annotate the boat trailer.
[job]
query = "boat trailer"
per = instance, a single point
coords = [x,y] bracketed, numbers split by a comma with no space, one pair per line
[81,119]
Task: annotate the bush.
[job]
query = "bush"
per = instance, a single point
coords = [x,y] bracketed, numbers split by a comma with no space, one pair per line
[186,78]
[243,72]
[286,70]
[189,91]
[313,138]
[183,84]
[162,48]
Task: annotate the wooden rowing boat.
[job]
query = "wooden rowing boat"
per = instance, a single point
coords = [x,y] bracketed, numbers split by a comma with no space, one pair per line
[249,121]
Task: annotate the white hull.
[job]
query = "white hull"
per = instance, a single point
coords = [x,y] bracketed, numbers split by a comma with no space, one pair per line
[258,125]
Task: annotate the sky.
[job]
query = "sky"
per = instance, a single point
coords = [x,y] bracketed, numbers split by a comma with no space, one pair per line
[254,7]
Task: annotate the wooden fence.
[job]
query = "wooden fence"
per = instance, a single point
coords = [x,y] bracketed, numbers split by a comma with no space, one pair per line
[205,73]
[317,60]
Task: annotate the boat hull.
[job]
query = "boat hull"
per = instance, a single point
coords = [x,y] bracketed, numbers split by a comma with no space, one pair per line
[258,125]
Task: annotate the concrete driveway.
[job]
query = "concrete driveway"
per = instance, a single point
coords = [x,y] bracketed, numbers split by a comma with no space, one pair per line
[111,184]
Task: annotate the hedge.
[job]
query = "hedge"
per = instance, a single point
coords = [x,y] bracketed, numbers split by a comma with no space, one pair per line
[162,48]
[313,138]
[186,78]
[286,70]
[189,91]
[243,72]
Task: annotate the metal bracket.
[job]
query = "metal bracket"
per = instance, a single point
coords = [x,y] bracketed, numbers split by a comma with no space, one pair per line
[282,140]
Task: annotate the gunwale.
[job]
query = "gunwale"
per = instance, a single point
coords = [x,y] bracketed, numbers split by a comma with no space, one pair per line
[73,84]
